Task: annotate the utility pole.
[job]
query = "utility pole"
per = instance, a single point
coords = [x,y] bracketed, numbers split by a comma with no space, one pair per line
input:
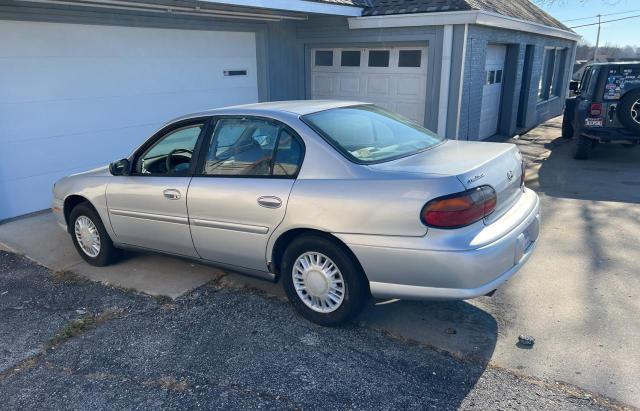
[595,52]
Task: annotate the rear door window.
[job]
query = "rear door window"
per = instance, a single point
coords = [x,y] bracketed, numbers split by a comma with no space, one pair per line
[252,147]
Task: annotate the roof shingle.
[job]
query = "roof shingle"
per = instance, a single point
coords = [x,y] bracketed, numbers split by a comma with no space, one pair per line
[520,9]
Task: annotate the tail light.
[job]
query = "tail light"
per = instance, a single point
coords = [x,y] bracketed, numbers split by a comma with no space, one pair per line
[461,209]
[595,110]
[523,176]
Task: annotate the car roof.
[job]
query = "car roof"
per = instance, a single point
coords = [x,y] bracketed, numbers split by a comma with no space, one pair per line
[297,107]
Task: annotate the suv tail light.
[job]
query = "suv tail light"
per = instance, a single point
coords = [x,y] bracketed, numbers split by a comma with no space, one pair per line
[461,209]
[524,173]
[595,110]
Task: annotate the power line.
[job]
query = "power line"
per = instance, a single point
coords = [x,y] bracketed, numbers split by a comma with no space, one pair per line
[603,15]
[606,21]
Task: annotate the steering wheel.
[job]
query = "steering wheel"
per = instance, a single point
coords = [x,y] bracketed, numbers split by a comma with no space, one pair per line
[171,153]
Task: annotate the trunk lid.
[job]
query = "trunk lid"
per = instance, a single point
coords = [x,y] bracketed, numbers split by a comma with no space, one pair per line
[474,163]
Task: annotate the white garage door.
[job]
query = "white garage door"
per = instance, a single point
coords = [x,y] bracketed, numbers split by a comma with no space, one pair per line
[492,90]
[394,78]
[73,97]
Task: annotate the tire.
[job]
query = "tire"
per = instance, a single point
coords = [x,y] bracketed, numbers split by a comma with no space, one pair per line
[567,128]
[629,110]
[107,253]
[582,147]
[355,287]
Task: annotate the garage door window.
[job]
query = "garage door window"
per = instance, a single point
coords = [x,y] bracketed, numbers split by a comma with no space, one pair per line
[410,58]
[324,58]
[350,58]
[379,58]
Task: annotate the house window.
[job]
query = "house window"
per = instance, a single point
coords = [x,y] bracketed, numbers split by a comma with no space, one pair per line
[350,58]
[491,77]
[499,76]
[410,58]
[324,58]
[550,83]
[379,58]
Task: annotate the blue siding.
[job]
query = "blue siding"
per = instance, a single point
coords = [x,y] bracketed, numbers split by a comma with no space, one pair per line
[478,39]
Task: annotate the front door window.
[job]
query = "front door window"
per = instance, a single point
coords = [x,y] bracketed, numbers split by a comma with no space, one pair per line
[172,154]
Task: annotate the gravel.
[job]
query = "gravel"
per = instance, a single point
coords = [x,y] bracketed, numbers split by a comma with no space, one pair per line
[71,344]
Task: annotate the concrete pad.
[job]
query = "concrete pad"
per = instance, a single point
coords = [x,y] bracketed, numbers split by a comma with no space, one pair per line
[39,238]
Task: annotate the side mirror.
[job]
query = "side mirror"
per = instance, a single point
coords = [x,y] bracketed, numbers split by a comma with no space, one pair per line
[574,86]
[120,167]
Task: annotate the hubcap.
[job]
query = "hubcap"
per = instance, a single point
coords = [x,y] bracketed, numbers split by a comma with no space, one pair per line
[635,112]
[318,282]
[87,236]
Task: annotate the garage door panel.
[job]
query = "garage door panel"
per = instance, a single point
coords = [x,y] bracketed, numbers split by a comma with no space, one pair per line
[44,156]
[23,199]
[322,84]
[407,86]
[349,84]
[45,119]
[378,86]
[37,39]
[78,96]
[82,79]
[399,89]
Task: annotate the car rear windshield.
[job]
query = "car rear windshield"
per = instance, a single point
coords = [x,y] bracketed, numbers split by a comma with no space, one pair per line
[368,134]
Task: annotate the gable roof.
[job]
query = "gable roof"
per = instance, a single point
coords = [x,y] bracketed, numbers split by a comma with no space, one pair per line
[519,9]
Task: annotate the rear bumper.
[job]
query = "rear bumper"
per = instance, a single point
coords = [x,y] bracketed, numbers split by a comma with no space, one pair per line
[612,135]
[416,271]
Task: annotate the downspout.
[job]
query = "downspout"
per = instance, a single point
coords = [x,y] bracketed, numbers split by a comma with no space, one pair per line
[445,79]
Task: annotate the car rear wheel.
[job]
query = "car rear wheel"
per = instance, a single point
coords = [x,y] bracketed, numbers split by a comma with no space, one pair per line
[567,128]
[90,237]
[582,147]
[629,110]
[323,281]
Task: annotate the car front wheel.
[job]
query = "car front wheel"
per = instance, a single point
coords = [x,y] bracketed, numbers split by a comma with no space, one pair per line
[323,281]
[90,237]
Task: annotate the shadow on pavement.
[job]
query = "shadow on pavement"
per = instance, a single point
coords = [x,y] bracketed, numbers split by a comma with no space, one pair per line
[457,327]
[612,174]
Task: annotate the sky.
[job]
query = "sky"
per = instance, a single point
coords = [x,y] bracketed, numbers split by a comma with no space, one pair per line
[622,33]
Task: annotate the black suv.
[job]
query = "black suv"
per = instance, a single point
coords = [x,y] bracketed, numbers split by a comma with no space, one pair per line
[605,108]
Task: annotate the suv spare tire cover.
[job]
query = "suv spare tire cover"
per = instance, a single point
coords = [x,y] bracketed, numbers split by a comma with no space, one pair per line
[629,110]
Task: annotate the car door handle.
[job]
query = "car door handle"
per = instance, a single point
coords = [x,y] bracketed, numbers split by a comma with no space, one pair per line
[172,194]
[269,202]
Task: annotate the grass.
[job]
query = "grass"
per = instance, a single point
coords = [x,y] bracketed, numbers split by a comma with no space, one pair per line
[66,276]
[81,325]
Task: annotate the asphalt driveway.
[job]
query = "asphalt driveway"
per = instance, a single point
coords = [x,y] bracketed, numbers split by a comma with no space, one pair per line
[66,343]
[578,295]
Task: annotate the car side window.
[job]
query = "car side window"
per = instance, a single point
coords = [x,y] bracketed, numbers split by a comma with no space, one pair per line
[251,147]
[288,155]
[171,154]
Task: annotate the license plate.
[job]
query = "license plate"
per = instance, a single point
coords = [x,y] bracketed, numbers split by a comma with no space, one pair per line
[593,122]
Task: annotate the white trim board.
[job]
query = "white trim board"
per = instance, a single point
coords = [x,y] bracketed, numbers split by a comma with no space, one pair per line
[483,18]
[445,79]
[295,5]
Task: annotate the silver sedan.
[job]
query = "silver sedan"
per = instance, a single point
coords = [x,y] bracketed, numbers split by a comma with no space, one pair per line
[340,201]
